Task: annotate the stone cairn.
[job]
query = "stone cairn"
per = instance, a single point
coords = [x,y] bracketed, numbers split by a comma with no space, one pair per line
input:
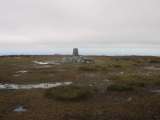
[75,52]
[76,58]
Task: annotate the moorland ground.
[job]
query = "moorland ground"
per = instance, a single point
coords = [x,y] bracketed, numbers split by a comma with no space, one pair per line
[117,88]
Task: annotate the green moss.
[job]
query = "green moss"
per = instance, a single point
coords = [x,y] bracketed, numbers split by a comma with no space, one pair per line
[120,87]
[136,80]
[154,61]
[69,93]
[92,68]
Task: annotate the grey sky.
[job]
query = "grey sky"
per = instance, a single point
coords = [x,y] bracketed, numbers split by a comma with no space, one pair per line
[50,24]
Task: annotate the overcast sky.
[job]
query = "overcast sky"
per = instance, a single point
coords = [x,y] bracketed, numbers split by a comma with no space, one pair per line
[93,24]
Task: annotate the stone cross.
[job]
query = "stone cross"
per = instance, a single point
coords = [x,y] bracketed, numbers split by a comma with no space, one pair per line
[75,52]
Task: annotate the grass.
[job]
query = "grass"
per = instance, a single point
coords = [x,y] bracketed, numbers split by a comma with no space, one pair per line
[93,68]
[69,93]
[120,87]
[127,76]
[136,79]
[154,60]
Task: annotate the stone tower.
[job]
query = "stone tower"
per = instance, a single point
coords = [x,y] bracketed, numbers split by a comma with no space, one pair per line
[75,52]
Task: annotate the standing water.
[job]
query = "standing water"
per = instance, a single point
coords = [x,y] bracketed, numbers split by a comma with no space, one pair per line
[32,86]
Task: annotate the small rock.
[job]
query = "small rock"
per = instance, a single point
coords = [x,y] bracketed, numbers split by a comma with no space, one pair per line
[129,99]
[106,80]
[90,85]
[121,73]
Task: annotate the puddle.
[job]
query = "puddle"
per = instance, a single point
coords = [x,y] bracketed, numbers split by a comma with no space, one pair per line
[42,66]
[22,71]
[16,75]
[40,63]
[153,68]
[46,63]
[20,109]
[32,86]
[155,91]
[54,63]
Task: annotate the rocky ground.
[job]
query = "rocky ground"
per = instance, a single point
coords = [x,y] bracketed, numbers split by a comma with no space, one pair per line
[126,88]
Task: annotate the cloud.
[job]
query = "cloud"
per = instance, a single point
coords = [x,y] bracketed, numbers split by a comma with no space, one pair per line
[39,24]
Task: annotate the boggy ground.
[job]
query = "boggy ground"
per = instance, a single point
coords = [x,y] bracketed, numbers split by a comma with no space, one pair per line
[127,88]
